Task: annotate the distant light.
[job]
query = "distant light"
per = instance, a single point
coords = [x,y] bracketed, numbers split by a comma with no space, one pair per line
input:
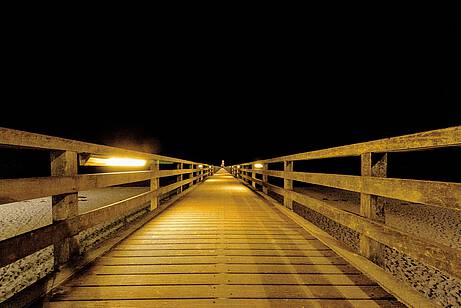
[115,162]
[200,166]
[258,166]
[238,166]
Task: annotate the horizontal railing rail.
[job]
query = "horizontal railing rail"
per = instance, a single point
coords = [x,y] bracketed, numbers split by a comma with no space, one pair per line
[420,141]
[65,183]
[371,184]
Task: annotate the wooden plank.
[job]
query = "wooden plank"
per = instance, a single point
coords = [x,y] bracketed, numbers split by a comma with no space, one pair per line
[126,303]
[143,280]
[13,190]
[155,242]
[139,292]
[22,139]
[314,245]
[159,260]
[442,194]
[221,268]
[290,269]
[230,279]
[433,254]
[299,291]
[166,246]
[220,259]
[420,141]
[304,260]
[230,291]
[132,241]
[161,253]
[300,279]
[234,303]
[156,269]
[281,253]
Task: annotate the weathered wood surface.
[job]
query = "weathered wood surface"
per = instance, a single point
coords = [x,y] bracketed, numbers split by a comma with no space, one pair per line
[20,139]
[430,253]
[64,206]
[13,190]
[221,246]
[372,164]
[442,194]
[420,141]
[13,249]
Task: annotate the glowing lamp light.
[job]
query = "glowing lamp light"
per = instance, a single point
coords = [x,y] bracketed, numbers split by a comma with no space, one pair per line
[115,162]
[238,166]
[200,166]
[258,166]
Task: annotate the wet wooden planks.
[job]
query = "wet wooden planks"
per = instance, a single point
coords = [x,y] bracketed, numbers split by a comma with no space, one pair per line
[221,246]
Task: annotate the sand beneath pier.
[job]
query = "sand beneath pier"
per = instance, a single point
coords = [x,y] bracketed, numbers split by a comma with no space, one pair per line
[20,217]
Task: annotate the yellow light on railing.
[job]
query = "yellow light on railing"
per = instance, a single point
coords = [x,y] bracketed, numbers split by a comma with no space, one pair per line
[258,166]
[200,166]
[238,166]
[115,162]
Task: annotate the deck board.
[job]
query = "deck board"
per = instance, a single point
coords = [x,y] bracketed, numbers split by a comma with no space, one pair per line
[221,246]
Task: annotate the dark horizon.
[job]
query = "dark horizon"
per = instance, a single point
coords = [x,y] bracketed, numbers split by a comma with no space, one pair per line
[253,100]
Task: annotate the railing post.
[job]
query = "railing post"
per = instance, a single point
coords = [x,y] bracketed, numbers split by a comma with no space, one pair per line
[65,206]
[372,164]
[154,184]
[191,175]
[253,176]
[287,185]
[179,178]
[265,179]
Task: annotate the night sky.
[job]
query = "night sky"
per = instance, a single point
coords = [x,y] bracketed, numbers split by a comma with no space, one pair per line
[237,94]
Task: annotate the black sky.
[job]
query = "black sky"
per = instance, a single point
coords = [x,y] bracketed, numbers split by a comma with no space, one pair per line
[207,93]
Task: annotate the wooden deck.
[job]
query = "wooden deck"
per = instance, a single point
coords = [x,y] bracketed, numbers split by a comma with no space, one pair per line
[221,246]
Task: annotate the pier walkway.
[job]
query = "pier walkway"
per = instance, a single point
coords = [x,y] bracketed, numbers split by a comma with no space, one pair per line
[221,245]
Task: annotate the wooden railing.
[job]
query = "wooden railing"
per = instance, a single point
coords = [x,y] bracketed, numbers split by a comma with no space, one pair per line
[65,183]
[372,182]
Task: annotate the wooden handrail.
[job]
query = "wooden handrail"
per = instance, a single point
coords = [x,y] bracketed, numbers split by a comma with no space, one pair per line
[440,138]
[371,183]
[21,139]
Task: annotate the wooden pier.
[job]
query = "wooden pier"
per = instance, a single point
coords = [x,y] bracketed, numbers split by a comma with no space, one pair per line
[221,246]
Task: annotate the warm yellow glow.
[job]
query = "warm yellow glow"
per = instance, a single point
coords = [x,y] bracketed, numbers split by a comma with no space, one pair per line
[258,166]
[115,162]
[238,166]
[200,166]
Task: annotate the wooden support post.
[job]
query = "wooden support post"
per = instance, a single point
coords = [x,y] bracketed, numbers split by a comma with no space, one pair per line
[179,178]
[373,164]
[65,206]
[265,179]
[287,184]
[253,176]
[154,184]
[191,175]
